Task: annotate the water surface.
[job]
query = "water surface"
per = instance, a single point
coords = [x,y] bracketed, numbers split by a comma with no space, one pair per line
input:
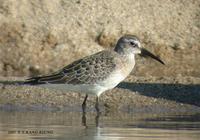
[118,126]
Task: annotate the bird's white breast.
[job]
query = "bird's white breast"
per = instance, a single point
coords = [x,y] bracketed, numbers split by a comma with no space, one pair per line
[112,80]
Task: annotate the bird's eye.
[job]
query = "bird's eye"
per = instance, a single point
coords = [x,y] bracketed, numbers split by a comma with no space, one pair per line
[133,44]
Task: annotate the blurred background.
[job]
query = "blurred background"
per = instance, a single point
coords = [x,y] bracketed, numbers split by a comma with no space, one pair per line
[37,37]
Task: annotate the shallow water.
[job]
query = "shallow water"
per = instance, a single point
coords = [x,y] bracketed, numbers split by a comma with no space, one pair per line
[119,126]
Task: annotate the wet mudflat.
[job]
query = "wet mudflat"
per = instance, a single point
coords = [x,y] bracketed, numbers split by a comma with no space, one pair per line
[134,95]
[75,126]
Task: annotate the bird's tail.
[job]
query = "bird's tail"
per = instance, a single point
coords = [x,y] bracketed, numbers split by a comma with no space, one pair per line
[30,81]
[12,82]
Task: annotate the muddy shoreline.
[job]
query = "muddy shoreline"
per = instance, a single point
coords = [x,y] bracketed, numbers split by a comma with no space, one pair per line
[135,94]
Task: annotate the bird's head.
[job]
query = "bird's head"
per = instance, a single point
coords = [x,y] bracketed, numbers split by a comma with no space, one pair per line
[129,44]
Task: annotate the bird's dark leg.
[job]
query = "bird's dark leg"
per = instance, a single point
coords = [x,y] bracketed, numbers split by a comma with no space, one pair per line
[84,104]
[97,105]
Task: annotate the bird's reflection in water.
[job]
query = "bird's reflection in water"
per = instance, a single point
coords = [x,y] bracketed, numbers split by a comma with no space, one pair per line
[92,132]
[84,119]
[84,123]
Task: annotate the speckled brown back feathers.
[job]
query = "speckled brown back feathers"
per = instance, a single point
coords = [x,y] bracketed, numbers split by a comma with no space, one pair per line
[88,70]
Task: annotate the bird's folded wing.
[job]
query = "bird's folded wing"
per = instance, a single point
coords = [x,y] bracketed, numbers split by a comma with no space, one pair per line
[88,70]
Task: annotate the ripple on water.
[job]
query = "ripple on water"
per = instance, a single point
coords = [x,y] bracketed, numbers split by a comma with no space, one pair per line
[74,126]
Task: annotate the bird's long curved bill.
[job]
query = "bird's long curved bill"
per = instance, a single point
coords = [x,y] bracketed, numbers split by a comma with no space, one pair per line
[146,53]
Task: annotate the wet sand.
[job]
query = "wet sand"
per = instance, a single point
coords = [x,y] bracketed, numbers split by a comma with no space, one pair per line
[135,94]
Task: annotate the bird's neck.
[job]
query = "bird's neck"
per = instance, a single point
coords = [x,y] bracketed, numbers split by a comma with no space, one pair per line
[119,49]
[127,63]
[129,58]
[126,54]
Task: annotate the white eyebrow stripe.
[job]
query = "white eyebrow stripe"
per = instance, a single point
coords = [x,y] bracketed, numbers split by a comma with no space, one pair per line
[127,40]
[136,41]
